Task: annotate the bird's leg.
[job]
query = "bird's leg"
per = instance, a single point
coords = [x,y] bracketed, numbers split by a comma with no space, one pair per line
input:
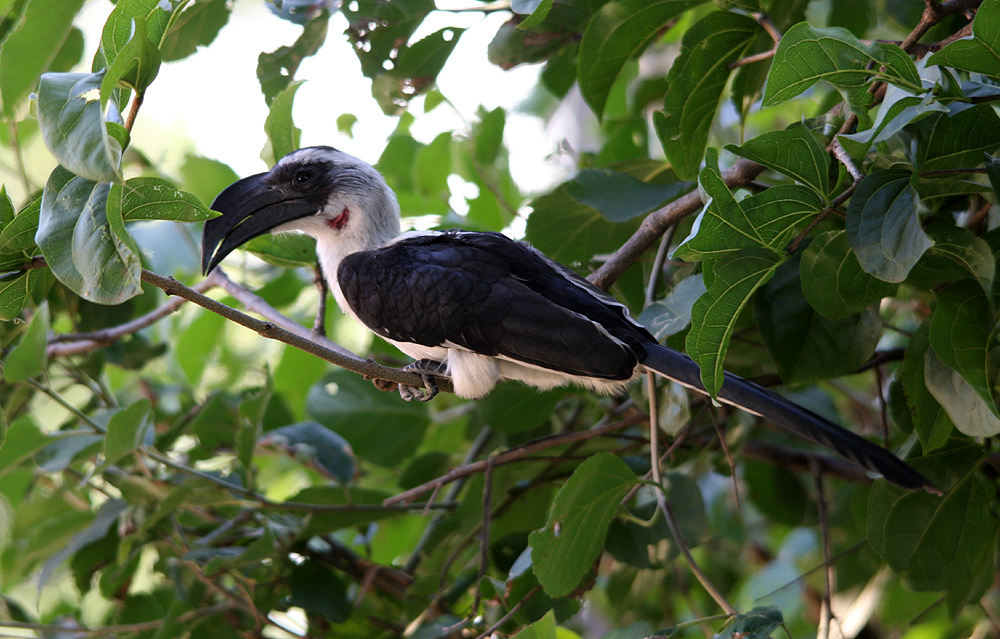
[427,369]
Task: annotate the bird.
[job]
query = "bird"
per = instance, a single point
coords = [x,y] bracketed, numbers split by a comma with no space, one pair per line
[480,307]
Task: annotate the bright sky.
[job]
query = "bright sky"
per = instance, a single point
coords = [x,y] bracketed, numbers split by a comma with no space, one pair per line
[211,102]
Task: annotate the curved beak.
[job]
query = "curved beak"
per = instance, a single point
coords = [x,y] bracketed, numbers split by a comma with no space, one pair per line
[249,207]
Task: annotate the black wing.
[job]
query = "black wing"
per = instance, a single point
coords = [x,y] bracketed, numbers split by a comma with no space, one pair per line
[491,295]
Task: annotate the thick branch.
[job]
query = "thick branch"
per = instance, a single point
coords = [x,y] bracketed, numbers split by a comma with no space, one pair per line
[656,224]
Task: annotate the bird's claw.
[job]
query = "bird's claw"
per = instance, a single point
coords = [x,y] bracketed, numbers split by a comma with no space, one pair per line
[428,369]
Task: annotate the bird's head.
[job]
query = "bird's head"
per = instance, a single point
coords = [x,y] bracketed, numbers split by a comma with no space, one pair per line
[336,198]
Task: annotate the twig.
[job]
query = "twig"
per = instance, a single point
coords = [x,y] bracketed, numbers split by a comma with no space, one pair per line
[134,110]
[510,613]
[661,501]
[514,454]
[319,325]
[757,57]
[793,246]
[658,261]
[826,610]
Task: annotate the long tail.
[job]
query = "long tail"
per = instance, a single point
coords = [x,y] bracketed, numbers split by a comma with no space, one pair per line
[773,407]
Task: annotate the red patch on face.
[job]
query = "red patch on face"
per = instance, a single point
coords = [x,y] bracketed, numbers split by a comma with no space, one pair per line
[338,222]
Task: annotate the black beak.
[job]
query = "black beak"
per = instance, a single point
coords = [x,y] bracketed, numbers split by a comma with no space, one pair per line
[249,208]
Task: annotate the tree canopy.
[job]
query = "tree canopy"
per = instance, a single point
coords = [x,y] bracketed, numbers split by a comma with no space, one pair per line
[802,192]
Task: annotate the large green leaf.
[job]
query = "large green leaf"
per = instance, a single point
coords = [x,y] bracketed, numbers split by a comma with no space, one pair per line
[196,26]
[618,196]
[32,46]
[832,278]
[619,32]
[956,139]
[135,66]
[979,53]
[352,407]
[128,429]
[71,118]
[807,55]
[672,314]
[414,70]
[83,239]
[883,227]
[963,336]
[15,292]
[966,408]
[119,28]
[563,551]
[898,108]
[794,152]
[806,346]
[765,220]
[957,253]
[316,445]
[276,70]
[283,136]
[934,542]
[730,282]
[150,198]
[695,86]
[377,29]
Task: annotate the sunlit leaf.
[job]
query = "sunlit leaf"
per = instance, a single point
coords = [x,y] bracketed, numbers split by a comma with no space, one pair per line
[276,70]
[196,26]
[283,136]
[794,152]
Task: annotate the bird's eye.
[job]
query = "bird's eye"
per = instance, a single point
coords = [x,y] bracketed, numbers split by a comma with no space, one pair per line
[303,177]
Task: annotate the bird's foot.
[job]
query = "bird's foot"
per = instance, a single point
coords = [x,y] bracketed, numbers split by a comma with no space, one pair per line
[427,369]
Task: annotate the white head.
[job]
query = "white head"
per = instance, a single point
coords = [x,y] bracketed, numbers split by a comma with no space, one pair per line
[336,198]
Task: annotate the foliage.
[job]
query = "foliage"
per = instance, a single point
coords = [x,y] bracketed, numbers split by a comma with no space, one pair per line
[171,474]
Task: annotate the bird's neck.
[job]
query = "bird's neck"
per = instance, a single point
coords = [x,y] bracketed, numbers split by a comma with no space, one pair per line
[362,230]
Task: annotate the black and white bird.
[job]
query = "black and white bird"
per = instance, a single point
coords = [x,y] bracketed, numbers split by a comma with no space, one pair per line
[479,307]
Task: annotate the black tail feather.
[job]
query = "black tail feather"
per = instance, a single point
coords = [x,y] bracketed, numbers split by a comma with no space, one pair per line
[804,423]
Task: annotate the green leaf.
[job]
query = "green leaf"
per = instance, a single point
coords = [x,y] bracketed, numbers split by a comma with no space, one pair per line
[619,32]
[81,236]
[276,70]
[31,47]
[765,220]
[807,55]
[197,26]
[898,108]
[563,551]
[618,196]
[18,237]
[930,420]
[794,152]
[962,335]
[979,53]
[514,408]
[71,119]
[314,444]
[536,10]
[544,628]
[120,27]
[107,515]
[377,29]
[351,406]
[883,227]
[6,208]
[414,70]
[956,253]
[695,86]
[15,292]
[808,347]
[128,429]
[832,279]
[283,136]
[29,358]
[956,139]
[317,588]
[731,282]
[135,66]
[23,440]
[150,198]
[965,407]
[672,314]
[286,250]
[934,542]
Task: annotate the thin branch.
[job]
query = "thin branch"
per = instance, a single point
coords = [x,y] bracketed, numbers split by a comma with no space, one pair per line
[793,246]
[319,325]
[514,454]
[757,57]
[510,613]
[118,629]
[661,501]
[134,111]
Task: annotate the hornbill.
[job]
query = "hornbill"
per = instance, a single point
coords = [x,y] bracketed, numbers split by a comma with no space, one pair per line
[478,307]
